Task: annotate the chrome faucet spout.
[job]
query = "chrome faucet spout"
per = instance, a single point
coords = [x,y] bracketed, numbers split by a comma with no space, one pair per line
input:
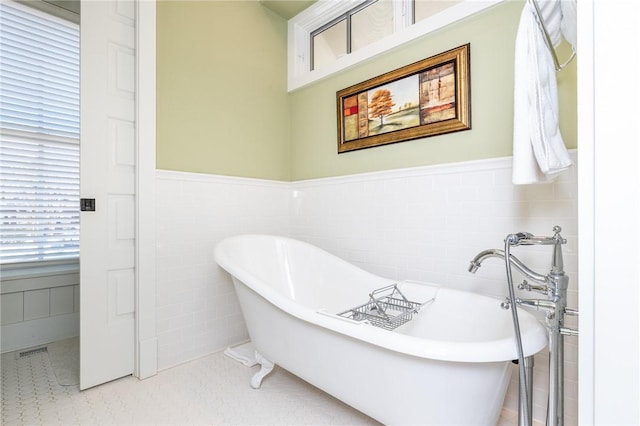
[476,262]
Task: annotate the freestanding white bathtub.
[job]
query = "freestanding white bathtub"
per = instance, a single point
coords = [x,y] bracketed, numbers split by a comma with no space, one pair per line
[449,365]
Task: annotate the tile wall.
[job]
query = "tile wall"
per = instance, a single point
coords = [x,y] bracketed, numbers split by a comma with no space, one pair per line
[427,223]
[422,224]
[38,310]
[197,311]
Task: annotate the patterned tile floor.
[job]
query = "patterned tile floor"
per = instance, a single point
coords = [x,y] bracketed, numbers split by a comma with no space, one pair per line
[213,390]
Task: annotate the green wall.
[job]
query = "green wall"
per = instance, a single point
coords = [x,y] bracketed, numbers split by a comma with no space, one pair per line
[492,36]
[223,106]
[222,103]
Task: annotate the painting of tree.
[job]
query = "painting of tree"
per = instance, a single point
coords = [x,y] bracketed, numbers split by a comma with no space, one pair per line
[427,98]
[394,106]
[381,104]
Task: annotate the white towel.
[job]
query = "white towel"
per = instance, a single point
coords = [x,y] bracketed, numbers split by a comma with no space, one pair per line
[569,23]
[551,11]
[539,153]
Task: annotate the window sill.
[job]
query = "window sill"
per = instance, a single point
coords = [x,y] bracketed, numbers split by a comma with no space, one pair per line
[34,277]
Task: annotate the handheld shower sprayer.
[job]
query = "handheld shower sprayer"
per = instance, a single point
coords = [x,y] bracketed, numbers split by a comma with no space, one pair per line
[528,239]
[521,238]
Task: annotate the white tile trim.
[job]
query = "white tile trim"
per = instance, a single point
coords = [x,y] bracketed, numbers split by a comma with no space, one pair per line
[26,334]
[145,248]
[500,163]
[171,175]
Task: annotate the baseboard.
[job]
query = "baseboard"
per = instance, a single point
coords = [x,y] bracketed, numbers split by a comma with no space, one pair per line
[27,334]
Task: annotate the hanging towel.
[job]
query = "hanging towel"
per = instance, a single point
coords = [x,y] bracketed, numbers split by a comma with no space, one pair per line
[569,22]
[539,153]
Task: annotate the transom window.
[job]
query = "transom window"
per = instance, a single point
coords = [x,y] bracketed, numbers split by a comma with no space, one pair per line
[365,24]
[330,36]
[39,135]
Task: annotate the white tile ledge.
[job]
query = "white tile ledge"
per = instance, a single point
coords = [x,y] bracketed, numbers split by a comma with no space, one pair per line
[212,178]
[39,271]
[435,169]
[43,281]
[499,163]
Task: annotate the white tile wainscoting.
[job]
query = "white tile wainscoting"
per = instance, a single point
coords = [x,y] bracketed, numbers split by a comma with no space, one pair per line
[38,306]
[421,223]
[197,311]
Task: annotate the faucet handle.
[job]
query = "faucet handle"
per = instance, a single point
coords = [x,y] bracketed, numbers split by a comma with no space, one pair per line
[556,235]
[571,311]
[506,304]
[568,331]
[524,285]
[543,289]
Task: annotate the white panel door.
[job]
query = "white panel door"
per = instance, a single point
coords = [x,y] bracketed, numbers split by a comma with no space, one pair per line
[107,160]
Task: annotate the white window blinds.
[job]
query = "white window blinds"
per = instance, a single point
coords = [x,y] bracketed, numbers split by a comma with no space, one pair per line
[39,141]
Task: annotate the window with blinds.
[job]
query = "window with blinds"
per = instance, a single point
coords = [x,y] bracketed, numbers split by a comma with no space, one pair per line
[39,136]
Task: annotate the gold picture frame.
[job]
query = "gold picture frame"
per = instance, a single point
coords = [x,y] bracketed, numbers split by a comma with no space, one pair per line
[427,98]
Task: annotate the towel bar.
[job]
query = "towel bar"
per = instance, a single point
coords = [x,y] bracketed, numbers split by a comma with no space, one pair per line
[547,39]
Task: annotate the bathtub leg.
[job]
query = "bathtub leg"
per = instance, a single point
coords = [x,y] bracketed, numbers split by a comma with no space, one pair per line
[266,367]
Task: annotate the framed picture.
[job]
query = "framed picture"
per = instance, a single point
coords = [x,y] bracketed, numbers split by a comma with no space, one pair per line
[427,98]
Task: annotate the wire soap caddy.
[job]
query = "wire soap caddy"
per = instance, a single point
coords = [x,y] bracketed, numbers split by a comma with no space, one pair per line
[387,308]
